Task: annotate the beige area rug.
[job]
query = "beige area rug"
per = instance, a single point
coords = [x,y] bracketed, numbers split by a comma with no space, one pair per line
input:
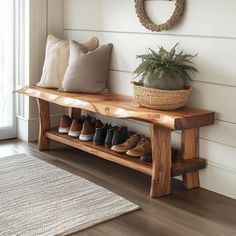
[37,198]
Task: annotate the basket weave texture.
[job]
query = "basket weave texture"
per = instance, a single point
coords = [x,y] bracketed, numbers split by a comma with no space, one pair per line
[161,99]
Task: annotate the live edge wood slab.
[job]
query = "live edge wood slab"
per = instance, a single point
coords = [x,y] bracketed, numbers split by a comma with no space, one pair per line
[162,123]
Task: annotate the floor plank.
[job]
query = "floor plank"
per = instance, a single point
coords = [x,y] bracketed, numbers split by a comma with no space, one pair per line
[194,212]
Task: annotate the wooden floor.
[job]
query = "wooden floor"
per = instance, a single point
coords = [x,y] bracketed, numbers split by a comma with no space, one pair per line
[190,213]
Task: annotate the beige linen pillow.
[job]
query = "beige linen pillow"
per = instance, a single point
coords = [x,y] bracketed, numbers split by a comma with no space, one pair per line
[87,72]
[57,59]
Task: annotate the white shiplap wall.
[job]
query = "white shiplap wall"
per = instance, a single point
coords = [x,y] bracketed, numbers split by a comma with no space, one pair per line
[207,28]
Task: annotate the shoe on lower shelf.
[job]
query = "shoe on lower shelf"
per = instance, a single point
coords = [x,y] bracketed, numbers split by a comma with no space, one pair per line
[65,124]
[100,134]
[88,129]
[76,127]
[142,148]
[120,135]
[109,136]
[130,143]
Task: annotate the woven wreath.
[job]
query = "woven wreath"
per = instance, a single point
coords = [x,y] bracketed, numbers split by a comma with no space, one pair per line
[147,23]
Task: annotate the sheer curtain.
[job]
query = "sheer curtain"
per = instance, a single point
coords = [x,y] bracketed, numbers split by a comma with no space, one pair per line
[7,114]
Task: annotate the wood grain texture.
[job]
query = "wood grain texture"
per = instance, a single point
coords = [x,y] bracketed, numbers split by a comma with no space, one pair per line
[190,149]
[162,123]
[74,112]
[179,167]
[161,155]
[44,124]
[101,151]
[121,106]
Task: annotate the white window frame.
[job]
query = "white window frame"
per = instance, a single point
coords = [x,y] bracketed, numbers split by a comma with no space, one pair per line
[8,132]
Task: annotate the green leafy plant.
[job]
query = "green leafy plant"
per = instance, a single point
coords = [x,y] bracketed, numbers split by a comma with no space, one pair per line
[163,64]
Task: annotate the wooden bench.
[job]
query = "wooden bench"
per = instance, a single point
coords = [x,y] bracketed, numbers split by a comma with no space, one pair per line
[162,123]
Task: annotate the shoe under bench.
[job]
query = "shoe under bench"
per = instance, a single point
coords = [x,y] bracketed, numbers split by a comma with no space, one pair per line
[162,123]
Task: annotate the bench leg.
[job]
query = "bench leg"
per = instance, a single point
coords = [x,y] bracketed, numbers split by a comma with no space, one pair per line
[74,112]
[161,157]
[190,149]
[44,124]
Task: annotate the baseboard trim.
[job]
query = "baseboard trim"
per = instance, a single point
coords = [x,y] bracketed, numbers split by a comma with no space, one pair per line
[28,128]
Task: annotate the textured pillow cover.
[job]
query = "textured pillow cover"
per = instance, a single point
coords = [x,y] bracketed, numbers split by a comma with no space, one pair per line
[57,59]
[87,72]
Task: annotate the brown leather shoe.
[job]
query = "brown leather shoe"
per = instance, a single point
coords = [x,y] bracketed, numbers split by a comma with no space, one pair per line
[130,143]
[88,129]
[65,124]
[76,127]
[143,147]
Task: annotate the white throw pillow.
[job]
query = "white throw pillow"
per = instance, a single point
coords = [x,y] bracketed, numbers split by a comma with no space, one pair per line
[57,60]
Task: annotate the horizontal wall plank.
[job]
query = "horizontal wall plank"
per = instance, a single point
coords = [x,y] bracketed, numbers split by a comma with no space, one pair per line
[216,63]
[201,17]
[218,179]
[120,82]
[55,19]
[221,132]
[37,41]
[219,154]
[215,97]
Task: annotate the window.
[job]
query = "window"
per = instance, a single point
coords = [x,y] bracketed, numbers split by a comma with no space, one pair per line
[7,104]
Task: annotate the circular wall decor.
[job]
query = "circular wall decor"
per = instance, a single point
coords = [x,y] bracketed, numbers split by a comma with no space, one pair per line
[147,23]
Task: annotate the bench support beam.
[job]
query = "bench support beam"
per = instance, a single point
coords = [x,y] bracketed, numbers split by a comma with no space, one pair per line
[190,149]
[44,124]
[161,156]
[75,112]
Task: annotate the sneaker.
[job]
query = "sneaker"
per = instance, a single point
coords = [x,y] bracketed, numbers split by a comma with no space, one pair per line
[130,143]
[76,127]
[65,124]
[143,147]
[88,129]
[100,134]
[120,135]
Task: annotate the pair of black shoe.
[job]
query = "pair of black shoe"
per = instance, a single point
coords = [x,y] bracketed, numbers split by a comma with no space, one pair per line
[109,136]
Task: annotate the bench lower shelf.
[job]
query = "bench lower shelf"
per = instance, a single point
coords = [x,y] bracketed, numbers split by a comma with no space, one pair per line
[179,167]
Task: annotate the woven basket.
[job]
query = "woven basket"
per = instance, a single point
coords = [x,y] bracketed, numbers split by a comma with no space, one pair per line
[160,99]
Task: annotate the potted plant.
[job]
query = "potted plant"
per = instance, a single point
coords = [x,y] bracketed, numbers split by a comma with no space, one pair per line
[164,74]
